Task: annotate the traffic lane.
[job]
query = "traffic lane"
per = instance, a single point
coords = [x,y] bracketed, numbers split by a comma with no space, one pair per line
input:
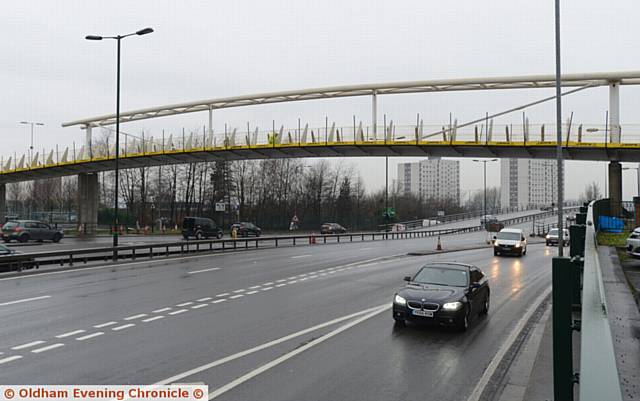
[140,353]
[377,360]
[95,297]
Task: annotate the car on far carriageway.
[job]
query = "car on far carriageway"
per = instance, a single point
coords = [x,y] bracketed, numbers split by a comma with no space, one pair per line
[444,294]
[10,259]
[26,230]
[245,229]
[552,237]
[510,241]
[332,228]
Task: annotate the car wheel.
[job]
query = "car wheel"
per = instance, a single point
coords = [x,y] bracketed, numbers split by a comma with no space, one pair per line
[487,304]
[186,237]
[258,234]
[23,238]
[198,235]
[495,253]
[56,238]
[219,235]
[399,322]
[525,251]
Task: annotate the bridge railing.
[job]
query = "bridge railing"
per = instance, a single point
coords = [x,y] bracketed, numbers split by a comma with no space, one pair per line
[154,143]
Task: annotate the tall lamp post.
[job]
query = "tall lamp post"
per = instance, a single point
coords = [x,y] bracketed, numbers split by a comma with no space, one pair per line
[484,162]
[31,123]
[118,38]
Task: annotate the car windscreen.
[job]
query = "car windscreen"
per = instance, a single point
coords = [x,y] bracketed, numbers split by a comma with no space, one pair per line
[440,275]
[4,250]
[553,231]
[509,236]
[10,224]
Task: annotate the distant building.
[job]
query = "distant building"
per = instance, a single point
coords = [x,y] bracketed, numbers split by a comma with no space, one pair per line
[528,182]
[432,178]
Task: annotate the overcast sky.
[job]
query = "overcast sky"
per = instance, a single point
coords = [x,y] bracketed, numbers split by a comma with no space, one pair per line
[204,50]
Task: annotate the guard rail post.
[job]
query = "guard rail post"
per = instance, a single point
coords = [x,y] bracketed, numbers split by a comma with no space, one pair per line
[562,284]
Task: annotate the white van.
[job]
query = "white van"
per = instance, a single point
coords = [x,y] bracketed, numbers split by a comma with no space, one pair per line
[510,241]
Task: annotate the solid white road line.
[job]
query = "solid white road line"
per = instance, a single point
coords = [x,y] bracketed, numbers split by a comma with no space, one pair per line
[28,345]
[236,296]
[179,311]
[9,359]
[99,326]
[161,310]
[199,306]
[19,301]
[123,327]
[266,345]
[221,390]
[47,348]
[205,299]
[301,256]
[88,336]
[135,316]
[151,319]
[71,333]
[217,301]
[497,358]
[184,304]
[204,270]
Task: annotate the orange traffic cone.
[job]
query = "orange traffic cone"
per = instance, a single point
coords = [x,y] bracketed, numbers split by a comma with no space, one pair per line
[312,238]
[439,247]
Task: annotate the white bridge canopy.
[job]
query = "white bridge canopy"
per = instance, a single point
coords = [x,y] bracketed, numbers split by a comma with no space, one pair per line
[440,85]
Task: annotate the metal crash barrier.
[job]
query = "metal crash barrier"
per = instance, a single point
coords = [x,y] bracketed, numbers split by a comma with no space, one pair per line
[578,287]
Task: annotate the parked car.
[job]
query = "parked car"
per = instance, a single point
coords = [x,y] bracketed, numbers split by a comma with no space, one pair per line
[26,230]
[245,229]
[633,243]
[199,228]
[552,237]
[487,219]
[10,259]
[332,228]
[510,241]
[443,293]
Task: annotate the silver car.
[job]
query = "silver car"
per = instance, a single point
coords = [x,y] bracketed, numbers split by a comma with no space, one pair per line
[633,243]
[26,230]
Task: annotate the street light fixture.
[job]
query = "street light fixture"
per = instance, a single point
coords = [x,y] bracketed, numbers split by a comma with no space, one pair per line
[118,38]
[484,162]
[31,123]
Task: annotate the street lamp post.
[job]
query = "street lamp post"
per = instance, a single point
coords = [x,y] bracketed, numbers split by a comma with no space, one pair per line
[118,38]
[484,162]
[31,123]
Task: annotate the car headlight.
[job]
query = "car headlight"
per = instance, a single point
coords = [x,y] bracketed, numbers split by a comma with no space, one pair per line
[452,305]
[547,237]
[518,245]
[399,300]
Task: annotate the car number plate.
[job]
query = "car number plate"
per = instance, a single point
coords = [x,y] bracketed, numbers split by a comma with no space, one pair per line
[423,313]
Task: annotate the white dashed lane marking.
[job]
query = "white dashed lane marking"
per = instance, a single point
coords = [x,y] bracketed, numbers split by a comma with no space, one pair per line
[151,319]
[240,290]
[267,288]
[236,296]
[205,299]
[204,270]
[300,256]
[88,336]
[217,301]
[123,327]
[71,333]
[9,359]
[254,287]
[179,311]
[28,345]
[161,310]
[199,306]
[184,304]
[47,348]
[224,294]
[99,326]
[252,292]
[135,316]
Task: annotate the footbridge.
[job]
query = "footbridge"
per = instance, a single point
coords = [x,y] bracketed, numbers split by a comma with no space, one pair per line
[482,137]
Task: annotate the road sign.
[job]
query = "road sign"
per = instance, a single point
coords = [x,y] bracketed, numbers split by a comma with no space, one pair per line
[220,207]
[389,213]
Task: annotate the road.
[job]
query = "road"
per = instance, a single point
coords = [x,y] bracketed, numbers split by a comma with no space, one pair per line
[98,242]
[175,321]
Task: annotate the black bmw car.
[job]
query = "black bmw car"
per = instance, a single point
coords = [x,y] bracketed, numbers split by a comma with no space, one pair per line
[443,293]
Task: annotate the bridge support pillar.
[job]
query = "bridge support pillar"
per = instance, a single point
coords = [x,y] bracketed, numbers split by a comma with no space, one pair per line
[614,112]
[88,203]
[3,202]
[615,188]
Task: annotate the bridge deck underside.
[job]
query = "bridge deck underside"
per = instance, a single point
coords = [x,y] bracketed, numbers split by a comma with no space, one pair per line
[539,150]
